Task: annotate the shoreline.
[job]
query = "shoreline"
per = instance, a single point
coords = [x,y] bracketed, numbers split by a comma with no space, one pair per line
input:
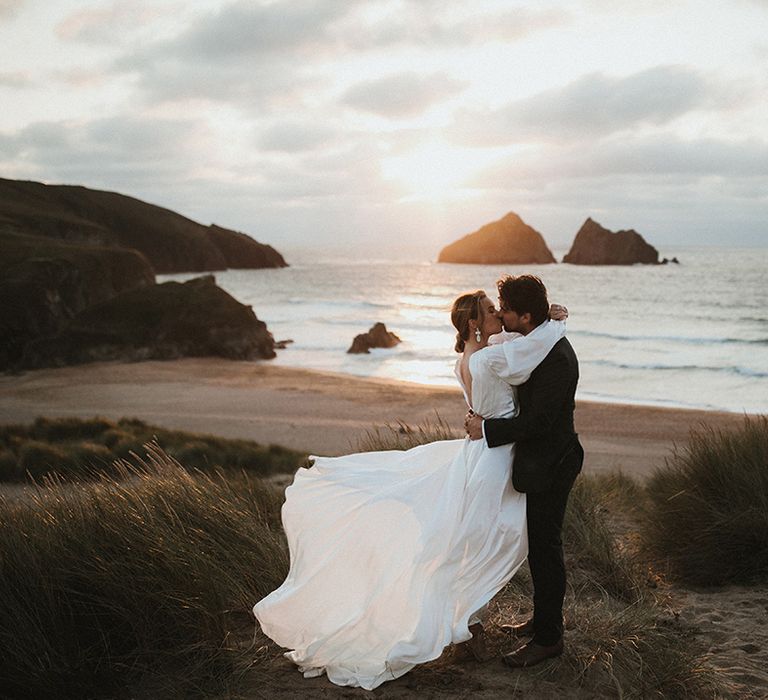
[316,411]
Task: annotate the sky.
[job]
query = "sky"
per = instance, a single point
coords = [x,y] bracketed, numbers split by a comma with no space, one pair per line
[389,128]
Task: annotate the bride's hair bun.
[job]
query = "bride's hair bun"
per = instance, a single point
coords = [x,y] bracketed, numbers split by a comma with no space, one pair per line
[465,309]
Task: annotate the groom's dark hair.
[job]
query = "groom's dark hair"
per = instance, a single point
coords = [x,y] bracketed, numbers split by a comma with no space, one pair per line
[525,294]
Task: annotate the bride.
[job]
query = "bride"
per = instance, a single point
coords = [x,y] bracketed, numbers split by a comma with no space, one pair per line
[394,554]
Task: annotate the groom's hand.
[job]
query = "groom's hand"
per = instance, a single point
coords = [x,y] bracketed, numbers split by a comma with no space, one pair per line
[473,424]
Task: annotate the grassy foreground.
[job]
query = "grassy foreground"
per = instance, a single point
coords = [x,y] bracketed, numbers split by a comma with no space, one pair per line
[74,447]
[117,582]
[141,582]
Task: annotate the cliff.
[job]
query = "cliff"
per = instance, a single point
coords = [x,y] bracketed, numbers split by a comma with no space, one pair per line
[162,321]
[45,283]
[595,245]
[508,241]
[171,242]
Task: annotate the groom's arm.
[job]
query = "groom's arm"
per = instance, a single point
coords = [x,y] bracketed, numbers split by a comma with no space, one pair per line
[547,396]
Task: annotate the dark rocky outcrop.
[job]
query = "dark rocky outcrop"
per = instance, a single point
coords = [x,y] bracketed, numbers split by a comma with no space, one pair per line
[44,284]
[171,242]
[163,321]
[241,251]
[508,241]
[595,245]
[74,262]
[377,337]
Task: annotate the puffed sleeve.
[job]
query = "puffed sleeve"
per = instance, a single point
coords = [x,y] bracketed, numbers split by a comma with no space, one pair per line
[515,359]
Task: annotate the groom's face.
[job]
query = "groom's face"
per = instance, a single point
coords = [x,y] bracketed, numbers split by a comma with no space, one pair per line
[512,321]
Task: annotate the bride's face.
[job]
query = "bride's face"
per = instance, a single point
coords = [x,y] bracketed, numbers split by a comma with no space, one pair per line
[491,324]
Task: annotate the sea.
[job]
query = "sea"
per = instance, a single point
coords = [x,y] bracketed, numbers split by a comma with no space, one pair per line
[690,335]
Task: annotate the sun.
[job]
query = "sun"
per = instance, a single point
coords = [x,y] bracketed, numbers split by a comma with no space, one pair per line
[436,170]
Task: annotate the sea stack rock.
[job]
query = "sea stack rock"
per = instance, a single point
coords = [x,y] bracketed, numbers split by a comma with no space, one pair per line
[508,241]
[377,337]
[595,245]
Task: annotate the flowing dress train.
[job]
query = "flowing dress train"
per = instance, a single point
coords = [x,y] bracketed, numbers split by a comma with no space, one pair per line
[394,553]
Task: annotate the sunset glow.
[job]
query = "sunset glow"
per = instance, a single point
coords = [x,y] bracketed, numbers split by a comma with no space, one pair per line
[348,124]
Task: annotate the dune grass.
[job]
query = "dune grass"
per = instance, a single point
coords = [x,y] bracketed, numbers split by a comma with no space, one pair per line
[144,579]
[142,575]
[622,642]
[85,448]
[708,514]
[401,436]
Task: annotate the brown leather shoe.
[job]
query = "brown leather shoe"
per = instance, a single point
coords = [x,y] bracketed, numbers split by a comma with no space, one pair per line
[531,654]
[522,629]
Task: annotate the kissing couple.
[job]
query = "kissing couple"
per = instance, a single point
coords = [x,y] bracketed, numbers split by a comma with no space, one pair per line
[396,554]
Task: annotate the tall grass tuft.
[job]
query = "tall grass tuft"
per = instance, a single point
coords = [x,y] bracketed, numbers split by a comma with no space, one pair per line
[709,506]
[105,583]
[402,436]
[593,547]
[635,650]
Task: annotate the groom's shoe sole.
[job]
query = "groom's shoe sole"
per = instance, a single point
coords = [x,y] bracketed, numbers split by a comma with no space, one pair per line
[531,654]
[523,629]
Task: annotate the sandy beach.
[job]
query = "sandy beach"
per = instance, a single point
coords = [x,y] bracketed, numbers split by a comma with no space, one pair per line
[316,412]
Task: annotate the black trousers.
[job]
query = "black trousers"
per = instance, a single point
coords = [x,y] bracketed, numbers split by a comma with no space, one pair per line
[545,513]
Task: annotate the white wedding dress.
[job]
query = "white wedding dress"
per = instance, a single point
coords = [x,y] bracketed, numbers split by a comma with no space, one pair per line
[392,553]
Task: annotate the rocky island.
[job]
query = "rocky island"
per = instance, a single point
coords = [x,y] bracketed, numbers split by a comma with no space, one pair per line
[77,280]
[377,337]
[595,245]
[508,241]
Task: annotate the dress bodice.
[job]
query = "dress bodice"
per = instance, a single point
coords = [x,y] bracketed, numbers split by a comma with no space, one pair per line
[507,362]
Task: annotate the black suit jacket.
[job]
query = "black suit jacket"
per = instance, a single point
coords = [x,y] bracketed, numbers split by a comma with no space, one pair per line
[548,448]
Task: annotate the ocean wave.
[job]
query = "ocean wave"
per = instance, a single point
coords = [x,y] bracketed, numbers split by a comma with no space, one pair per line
[602,397]
[743,371]
[338,303]
[687,340]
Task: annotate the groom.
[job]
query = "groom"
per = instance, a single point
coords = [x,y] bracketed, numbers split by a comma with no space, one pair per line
[548,456]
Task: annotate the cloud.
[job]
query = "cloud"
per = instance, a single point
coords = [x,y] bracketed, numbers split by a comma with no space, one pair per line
[296,135]
[668,155]
[8,8]
[594,105]
[402,95]
[652,157]
[15,79]
[245,54]
[248,54]
[243,29]
[106,24]
[448,24]
[119,151]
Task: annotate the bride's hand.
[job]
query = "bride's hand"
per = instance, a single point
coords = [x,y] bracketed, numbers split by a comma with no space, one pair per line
[557,312]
